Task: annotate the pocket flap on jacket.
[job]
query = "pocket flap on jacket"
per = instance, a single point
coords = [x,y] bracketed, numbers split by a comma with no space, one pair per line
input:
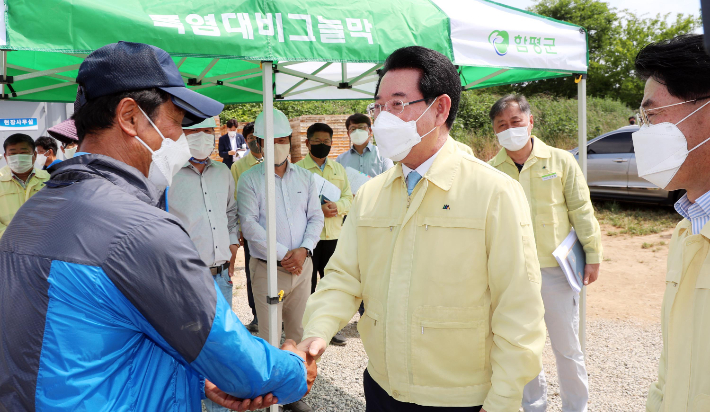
[448,315]
[443,221]
[377,222]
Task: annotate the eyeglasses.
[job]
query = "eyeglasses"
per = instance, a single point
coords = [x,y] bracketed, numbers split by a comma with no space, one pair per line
[643,113]
[393,106]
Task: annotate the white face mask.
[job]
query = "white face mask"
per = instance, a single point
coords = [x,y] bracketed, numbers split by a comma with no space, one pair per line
[20,163]
[40,161]
[201,145]
[168,159]
[70,152]
[661,150]
[281,152]
[514,138]
[231,134]
[395,137]
[359,136]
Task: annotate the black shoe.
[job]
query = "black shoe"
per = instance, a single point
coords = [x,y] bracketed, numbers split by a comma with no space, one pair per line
[253,326]
[298,406]
[338,340]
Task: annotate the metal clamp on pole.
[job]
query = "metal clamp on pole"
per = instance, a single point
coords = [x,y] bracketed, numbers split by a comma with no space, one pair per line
[275,300]
[579,76]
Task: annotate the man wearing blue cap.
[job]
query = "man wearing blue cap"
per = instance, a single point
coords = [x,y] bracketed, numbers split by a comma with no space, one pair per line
[114,309]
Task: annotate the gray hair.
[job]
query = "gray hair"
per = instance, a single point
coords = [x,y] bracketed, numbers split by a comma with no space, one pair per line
[505,101]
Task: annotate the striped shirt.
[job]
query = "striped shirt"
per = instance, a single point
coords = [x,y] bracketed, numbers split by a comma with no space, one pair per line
[299,217]
[698,213]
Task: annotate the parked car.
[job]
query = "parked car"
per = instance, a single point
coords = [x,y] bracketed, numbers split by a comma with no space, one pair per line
[612,172]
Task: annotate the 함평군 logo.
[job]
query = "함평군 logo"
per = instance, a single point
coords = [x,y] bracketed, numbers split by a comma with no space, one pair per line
[500,41]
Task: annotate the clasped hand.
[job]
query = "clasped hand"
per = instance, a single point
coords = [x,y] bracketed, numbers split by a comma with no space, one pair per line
[294,259]
[220,397]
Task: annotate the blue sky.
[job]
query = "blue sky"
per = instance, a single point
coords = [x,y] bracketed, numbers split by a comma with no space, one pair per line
[649,7]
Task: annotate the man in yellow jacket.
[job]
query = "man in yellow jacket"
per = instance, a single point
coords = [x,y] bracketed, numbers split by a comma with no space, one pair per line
[18,180]
[319,139]
[673,152]
[559,200]
[442,251]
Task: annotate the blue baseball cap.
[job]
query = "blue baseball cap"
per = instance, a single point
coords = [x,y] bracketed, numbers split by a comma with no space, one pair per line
[125,66]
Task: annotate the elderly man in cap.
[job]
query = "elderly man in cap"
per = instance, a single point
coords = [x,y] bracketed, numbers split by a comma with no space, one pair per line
[299,221]
[65,133]
[114,309]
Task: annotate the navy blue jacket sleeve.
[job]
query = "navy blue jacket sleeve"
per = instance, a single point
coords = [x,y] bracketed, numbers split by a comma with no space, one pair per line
[156,267]
[224,147]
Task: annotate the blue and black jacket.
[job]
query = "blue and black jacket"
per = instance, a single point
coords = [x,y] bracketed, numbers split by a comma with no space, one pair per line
[105,305]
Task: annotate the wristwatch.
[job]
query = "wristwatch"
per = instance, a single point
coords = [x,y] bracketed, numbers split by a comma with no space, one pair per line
[309,252]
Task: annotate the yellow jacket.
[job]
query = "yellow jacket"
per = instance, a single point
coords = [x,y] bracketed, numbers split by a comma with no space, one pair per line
[333,172]
[559,200]
[450,281]
[683,378]
[465,148]
[241,166]
[13,195]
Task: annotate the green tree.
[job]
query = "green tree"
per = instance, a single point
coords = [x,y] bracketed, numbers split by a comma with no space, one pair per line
[614,39]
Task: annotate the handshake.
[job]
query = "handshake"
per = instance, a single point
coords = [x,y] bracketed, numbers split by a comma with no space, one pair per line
[305,350]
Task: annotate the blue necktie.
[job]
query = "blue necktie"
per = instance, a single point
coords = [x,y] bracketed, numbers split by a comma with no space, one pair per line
[412,179]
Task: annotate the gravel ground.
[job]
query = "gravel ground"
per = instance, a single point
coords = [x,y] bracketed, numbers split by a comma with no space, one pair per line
[622,362]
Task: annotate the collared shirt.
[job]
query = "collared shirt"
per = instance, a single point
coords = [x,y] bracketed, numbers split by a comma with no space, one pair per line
[14,192]
[450,283]
[205,204]
[698,212]
[335,173]
[369,162]
[559,200]
[21,182]
[682,383]
[422,168]
[299,218]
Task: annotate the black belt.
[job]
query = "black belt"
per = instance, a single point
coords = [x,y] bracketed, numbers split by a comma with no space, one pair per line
[219,269]
[277,263]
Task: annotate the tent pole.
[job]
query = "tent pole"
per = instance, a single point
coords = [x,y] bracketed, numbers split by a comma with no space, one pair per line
[3,70]
[274,337]
[582,144]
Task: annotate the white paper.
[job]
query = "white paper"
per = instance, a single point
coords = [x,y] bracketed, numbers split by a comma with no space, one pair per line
[560,255]
[327,189]
[356,178]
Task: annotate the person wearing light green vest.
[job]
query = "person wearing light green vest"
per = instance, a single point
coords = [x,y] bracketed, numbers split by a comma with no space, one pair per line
[19,180]
[559,201]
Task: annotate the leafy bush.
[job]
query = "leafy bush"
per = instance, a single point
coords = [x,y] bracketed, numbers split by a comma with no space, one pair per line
[555,118]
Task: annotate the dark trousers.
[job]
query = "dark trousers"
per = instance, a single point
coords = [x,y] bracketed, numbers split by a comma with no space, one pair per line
[377,400]
[250,295]
[321,255]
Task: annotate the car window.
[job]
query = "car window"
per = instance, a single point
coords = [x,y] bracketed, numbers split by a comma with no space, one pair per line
[615,143]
